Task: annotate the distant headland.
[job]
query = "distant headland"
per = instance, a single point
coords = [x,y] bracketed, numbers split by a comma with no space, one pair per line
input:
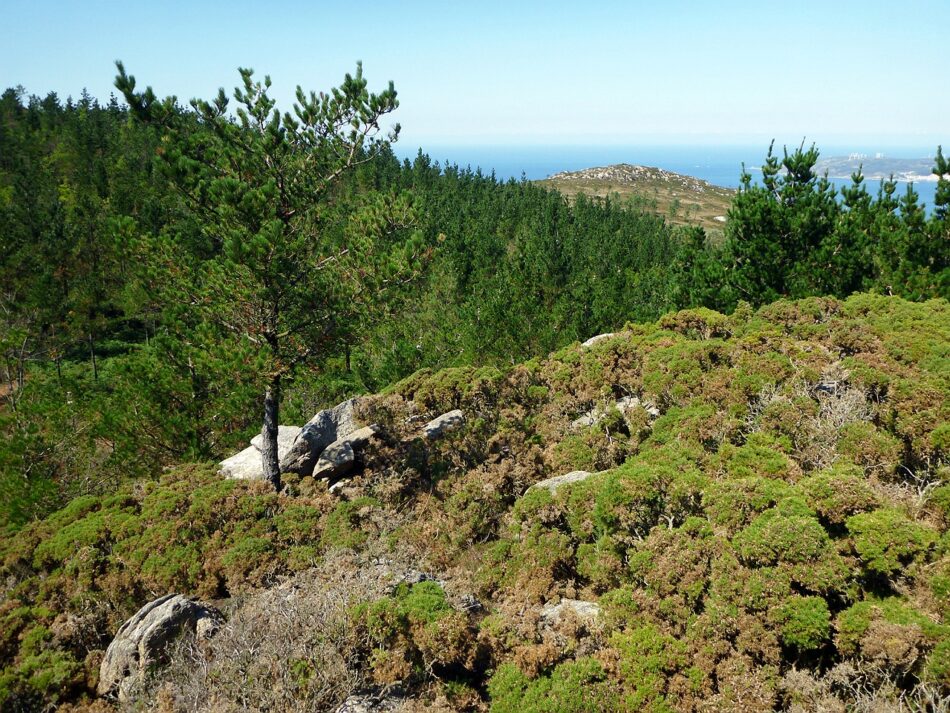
[878,167]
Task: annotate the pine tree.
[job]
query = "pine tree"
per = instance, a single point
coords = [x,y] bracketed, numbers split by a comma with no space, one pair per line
[261,185]
[939,260]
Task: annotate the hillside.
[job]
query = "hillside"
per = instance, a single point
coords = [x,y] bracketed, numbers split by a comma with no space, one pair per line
[684,200]
[756,518]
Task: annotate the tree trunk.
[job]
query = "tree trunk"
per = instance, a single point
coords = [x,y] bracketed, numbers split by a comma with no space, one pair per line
[269,456]
[92,353]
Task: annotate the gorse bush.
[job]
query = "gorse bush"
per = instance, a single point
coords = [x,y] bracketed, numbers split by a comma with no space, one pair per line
[768,529]
[103,556]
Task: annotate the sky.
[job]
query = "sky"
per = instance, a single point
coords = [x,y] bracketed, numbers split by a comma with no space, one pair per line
[523,73]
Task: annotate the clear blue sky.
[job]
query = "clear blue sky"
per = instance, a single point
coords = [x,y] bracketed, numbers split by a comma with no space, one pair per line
[483,72]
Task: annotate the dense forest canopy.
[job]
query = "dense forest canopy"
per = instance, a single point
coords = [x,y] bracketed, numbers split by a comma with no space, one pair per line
[98,241]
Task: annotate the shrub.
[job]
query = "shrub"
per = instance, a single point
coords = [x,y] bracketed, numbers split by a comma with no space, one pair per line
[937,669]
[761,456]
[886,540]
[855,622]
[413,630]
[700,323]
[575,452]
[342,525]
[870,447]
[699,423]
[734,503]
[838,493]
[574,687]
[648,661]
[774,537]
[805,622]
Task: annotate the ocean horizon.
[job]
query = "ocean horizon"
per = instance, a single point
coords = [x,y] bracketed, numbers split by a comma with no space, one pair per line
[720,165]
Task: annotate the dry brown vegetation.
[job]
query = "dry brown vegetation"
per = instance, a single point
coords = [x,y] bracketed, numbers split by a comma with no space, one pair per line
[766,528]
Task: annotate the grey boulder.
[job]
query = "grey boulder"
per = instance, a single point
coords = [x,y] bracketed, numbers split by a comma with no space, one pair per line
[247,464]
[142,642]
[587,612]
[371,703]
[318,433]
[552,484]
[336,460]
[361,436]
[286,435]
[624,406]
[339,457]
[599,338]
[444,424]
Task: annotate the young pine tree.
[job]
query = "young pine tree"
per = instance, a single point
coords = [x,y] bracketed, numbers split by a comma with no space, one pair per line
[261,185]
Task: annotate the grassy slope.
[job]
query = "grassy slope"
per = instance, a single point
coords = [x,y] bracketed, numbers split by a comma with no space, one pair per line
[782,525]
[683,200]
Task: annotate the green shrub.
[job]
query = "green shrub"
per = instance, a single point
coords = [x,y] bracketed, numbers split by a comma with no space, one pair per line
[940,499]
[245,556]
[761,456]
[575,452]
[937,668]
[886,540]
[838,493]
[734,503]
[853,623]
[342,524]
[805,622]
[574,687]
[601,563]
[774,537]
[870,447]
[422,603]
[699,323]
[414,629]
[648,661]
[699,423]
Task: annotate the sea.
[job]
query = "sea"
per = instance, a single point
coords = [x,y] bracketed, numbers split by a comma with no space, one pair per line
[720,165]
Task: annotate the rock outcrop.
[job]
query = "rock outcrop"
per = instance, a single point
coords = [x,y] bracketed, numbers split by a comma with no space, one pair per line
[247,464]
[327,427]
[336,460]
[624,405]
[599,338]
[444,424]
[371,703]
[142,642]
[300,449]
[286,435]
[339,457]
[552,484]
[587,612]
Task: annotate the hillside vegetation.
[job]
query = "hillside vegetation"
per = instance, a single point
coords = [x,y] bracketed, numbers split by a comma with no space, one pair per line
[765,526]
[682,200]
[109,375]
[742,509]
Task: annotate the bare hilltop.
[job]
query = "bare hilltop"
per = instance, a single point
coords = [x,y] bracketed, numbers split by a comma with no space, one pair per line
[684,200]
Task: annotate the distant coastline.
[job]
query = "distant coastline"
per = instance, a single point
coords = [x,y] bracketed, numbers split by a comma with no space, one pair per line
[873,169]
[899,177]
[718,165]
[879,167]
